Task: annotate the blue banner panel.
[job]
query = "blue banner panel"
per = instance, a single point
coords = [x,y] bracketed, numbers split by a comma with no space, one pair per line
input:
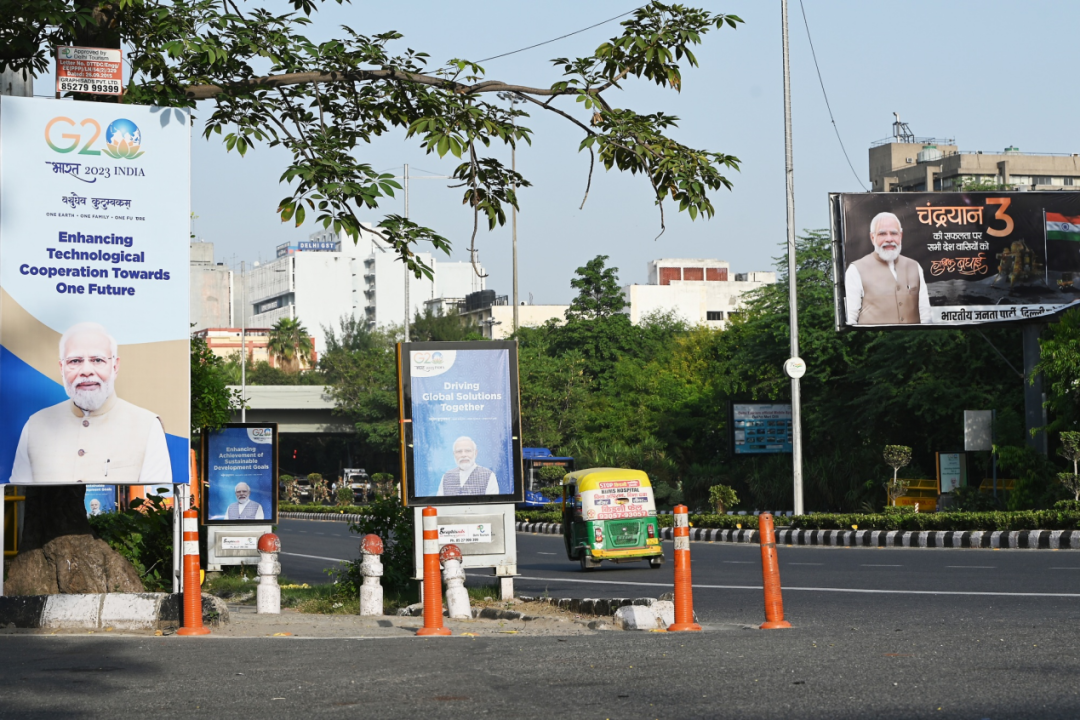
[760,428]
[99,499]
[241,473]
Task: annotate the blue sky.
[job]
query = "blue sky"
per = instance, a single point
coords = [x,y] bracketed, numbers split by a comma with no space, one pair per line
[985,73]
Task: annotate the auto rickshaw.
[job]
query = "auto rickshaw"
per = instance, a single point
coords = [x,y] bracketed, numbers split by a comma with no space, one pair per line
[610,514]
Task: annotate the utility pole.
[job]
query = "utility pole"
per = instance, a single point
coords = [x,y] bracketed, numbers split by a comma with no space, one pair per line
[513,215]
[243,343]
[406,177]
[794,367]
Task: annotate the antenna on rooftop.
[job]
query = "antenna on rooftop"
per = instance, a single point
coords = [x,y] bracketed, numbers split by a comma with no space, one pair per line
[900,130]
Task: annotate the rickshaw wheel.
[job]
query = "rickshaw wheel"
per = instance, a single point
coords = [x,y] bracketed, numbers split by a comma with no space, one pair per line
[656,562]
[569,550]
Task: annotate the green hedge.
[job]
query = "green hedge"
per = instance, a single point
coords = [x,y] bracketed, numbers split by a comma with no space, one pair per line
[327,509]
[720,522]
[960,521]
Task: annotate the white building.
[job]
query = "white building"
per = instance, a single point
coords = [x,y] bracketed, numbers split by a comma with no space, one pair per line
[211,294]
[329,276]
[696,290]
[494,316]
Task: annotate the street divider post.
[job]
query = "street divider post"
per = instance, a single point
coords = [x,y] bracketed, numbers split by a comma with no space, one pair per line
[684,594]
[433,624]
[371,594]
[268,594]
[192,591]
[457,597]
[770,571]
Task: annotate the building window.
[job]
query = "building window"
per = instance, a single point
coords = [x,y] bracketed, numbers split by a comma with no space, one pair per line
[716,274]
[1041,180]
[713,315]
[697,274]
[1069,181]
[667,274]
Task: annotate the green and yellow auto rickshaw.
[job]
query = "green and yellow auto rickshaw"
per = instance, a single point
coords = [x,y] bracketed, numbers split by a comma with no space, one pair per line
[610,514]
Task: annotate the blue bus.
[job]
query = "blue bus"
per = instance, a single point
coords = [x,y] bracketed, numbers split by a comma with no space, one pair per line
[539,493]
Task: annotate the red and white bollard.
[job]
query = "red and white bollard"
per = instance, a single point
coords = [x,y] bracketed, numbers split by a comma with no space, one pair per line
[433,624]
[770,571]
[684,593]
[371,595]
[192,590]
[268,594]
[457,597]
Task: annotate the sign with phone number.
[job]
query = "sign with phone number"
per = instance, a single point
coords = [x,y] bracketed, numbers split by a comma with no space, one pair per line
[89,70]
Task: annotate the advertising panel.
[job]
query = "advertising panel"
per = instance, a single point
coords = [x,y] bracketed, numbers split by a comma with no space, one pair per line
[954,259]
[240,468]
[460,422]
[617,500]
[99,499]
[94,327]
[761,428]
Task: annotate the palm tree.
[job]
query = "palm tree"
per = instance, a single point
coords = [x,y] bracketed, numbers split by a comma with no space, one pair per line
[290,343]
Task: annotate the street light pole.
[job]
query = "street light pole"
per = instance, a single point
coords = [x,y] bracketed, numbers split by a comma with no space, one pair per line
[789,176]
[513,214]
[406,177]
[243,343]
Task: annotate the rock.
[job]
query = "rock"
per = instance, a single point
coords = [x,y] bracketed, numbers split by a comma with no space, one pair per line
[636,617]
[414,610]
[214,610]
[665,611]
[72,564]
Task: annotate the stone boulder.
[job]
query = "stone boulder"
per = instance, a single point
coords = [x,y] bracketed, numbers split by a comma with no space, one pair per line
[71,564]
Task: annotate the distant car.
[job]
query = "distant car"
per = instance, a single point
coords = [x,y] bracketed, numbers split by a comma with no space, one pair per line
[360,484]
[303,491]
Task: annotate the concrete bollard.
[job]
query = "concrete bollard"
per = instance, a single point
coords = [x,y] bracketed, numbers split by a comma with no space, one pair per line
[268,594]
[457,597]
[371,596]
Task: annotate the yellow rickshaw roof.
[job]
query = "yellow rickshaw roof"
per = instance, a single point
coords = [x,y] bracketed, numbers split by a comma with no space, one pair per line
[588,478]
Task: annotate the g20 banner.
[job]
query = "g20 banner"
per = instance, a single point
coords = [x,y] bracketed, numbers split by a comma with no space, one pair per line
[94,359]
[240,471]
[461,439]
[954,258]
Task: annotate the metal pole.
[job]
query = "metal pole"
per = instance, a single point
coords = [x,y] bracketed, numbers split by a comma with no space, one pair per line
[513,213]
[789,176]
[406,176]
[243,343]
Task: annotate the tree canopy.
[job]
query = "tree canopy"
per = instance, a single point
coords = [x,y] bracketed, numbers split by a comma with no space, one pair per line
[266,83]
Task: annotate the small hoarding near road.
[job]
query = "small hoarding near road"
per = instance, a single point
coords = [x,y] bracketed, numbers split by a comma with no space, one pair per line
[240,468]
[97,71]
[954,259]
[761,428]
[952,471]
[99,499]
[460,424]
[465,534]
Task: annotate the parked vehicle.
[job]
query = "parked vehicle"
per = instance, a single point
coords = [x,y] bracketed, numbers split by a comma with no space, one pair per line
[539,491]
[610,514]
[357,479]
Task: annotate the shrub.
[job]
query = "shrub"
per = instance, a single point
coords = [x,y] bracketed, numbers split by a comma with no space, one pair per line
[344,496]
[143,535]
[722,497]
[391,521]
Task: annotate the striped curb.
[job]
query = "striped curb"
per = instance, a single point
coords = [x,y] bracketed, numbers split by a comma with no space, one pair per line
[338,517]
[117,611]
[996,539]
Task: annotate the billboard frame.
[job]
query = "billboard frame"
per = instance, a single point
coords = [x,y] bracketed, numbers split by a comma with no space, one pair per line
[405,420]
[205,478]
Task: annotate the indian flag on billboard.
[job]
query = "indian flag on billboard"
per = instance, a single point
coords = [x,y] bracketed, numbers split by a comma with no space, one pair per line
[1062,227]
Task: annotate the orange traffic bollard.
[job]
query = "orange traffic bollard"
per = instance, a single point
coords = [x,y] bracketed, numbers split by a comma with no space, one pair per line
[770,570]
[192,592]
[433,624]
[684,594]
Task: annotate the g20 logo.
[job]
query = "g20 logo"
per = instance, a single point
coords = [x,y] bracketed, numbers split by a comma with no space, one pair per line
[123,138]
[428,358]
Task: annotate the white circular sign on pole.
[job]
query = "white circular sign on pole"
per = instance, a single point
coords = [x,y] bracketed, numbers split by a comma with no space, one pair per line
[794,368]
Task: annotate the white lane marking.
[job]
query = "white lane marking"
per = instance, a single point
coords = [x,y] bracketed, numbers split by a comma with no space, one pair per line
[315,557]
[791,563]
[807,589]
[543,553]
[738,562]
[973,567]
[881,565]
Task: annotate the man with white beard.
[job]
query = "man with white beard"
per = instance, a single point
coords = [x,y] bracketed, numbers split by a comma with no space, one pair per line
[467,478]
[886,288]
[95,437]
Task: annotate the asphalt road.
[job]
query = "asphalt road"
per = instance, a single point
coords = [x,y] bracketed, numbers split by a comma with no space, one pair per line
[877,633]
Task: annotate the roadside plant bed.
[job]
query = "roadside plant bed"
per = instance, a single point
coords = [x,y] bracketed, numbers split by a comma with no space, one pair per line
[325,509]
[712,522]
[955,521]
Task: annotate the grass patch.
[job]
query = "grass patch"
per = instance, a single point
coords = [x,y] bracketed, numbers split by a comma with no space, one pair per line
[237,584]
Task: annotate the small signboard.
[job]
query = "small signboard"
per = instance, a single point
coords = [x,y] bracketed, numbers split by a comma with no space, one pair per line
[98,71]
[240,468]
[952,471]
[761,428]
[465,534]
[99,499]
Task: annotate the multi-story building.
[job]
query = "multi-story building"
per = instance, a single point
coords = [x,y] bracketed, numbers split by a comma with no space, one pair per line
[905,163]
[697,291]
[226,342]
[329,277]
[211,295]
[493,315]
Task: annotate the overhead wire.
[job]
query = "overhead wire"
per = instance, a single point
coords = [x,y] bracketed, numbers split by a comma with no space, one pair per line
[561,37]
[826,96]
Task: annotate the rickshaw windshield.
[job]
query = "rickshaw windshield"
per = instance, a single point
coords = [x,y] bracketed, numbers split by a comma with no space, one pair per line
[617,499]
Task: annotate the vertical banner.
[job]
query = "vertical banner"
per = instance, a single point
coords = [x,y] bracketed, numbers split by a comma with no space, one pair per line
[461,422]
[954,259]
[99,499]
[94,363]
[240,471]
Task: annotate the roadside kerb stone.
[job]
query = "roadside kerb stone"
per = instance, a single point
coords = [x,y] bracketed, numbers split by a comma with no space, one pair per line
[118,611]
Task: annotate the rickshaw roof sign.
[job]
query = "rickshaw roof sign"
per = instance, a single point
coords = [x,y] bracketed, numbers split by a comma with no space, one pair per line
[590,479]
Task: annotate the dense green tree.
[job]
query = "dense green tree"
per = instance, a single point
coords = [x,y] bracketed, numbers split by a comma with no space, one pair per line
[291,344]
[442,328]
[212,402]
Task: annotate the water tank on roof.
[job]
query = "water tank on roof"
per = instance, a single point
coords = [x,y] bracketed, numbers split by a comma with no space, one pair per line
[1012,150]
[479,300]
[929,153]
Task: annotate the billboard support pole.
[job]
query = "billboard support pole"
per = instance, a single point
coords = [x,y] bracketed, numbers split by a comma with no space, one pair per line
[789,177]
[407,314]
[1033,390]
